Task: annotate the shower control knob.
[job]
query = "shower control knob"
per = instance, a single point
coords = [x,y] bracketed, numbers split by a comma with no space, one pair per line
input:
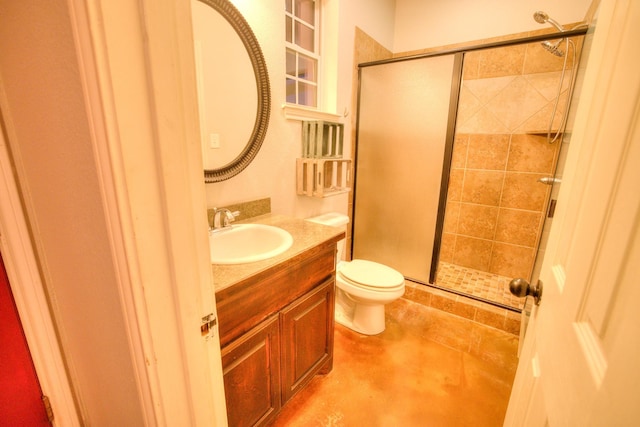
[522,288]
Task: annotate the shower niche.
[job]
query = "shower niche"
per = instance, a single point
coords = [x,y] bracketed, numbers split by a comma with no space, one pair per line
[467,203]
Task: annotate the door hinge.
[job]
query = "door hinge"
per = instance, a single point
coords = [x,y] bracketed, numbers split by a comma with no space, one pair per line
[207,327]
[48,408]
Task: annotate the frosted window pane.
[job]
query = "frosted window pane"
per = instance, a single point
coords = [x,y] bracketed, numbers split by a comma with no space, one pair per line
[291,62]
[291,91]
[289,29]
[307,94]
[304,36]
[306,68]
[305,10]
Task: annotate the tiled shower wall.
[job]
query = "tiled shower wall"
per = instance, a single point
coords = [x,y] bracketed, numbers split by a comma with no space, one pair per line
[495,206]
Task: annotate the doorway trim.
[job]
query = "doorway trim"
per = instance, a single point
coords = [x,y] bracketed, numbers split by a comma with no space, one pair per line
[29,295]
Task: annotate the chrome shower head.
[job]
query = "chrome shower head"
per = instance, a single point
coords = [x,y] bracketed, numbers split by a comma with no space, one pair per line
[542,18]
[554,48]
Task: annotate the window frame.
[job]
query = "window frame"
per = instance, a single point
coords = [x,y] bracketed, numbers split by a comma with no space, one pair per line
[299,50]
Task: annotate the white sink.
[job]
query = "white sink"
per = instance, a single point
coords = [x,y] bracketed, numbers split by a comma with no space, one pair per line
[244,243]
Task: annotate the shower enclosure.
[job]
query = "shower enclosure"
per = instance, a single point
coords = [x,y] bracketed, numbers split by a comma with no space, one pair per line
[454,155]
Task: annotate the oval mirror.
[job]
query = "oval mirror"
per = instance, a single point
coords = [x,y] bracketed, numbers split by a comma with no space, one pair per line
[233,88]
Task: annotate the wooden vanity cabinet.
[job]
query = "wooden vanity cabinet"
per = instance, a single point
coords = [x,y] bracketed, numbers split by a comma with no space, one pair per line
[276,332]
[251,371]
[306,328]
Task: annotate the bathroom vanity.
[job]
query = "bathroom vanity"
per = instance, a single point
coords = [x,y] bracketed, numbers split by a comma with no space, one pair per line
[276,321]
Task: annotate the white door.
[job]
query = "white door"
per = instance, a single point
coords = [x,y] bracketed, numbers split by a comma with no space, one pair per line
[579,364]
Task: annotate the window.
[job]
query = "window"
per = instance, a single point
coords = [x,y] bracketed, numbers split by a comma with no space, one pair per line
[302,17]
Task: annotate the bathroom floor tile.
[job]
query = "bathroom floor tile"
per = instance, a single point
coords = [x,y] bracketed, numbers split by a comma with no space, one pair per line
[428,368]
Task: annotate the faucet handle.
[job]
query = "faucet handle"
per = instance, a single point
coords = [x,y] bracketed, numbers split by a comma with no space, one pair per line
[223,216]
[227,218]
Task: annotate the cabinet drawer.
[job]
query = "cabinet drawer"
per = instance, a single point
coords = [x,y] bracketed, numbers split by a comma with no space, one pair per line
[247,303]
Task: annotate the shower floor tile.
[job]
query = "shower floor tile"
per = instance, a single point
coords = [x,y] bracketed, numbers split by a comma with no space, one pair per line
[477,283]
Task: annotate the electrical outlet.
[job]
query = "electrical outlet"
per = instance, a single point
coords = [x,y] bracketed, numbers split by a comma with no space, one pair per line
[214,140]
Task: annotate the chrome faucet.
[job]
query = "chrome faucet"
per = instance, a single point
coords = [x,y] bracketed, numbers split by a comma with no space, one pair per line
[222,218]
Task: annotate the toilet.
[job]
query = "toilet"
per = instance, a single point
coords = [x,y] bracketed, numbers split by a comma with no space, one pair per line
[363,287]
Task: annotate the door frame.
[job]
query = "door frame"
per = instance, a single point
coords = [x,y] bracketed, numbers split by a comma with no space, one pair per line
[29,296]
[140,97]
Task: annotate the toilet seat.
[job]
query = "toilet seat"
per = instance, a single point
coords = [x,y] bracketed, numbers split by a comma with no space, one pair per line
[371,275]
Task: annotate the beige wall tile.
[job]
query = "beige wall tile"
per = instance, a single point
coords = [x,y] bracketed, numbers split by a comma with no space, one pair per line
[512,322]
[488,151]
[518,227]
[516,103]
[477,220]
[483,121]
[532,153]
[538,60]
[473,253]
[468,106]
[456,178]
[471,64]
[459,155]
[511,261]
[493,318]
[447,247]
[482,187]
[486,89]
[547,83]
[522,191]
[505,90]
[451,215]
[539,122]
[503,61]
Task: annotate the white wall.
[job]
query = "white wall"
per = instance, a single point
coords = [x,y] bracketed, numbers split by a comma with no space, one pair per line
[272,173]
[45,117]
[427,23]
[399,25]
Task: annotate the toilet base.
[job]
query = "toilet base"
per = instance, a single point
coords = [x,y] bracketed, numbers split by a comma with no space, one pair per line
[367,319]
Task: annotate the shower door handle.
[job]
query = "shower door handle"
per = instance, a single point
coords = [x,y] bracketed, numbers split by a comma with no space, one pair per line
[549,180]
[522,288]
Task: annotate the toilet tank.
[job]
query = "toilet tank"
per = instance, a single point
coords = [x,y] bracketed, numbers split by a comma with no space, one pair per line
[334,219]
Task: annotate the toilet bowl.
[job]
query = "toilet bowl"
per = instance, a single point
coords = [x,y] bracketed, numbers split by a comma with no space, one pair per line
[363,287]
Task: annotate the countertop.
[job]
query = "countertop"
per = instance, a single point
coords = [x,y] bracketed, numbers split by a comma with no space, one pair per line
[306,235]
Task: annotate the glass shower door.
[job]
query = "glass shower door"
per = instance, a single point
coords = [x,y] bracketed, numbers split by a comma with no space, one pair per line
[403,125]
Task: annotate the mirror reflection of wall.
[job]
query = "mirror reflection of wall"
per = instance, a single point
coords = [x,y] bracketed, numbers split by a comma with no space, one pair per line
[227,91]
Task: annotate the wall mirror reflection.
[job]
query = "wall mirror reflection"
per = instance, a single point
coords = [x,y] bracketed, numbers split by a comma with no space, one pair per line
[233,88]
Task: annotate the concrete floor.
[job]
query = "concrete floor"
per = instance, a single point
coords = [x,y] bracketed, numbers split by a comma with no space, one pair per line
[428,368]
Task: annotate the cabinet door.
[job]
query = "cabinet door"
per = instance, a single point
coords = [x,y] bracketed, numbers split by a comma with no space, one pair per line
[307,338]
[251,369]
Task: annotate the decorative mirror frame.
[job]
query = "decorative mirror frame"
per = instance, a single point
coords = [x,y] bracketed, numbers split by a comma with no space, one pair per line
[242,28]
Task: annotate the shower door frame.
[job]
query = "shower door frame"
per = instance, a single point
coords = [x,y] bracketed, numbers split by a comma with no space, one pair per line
[450,135]
[449,130]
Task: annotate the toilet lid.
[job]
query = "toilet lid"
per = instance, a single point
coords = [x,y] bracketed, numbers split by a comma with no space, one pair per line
[371,274]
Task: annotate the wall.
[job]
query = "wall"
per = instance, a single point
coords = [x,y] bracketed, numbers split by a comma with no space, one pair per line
[397,25]
[495,207]
[425,23]
[45,116]
[272,173]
